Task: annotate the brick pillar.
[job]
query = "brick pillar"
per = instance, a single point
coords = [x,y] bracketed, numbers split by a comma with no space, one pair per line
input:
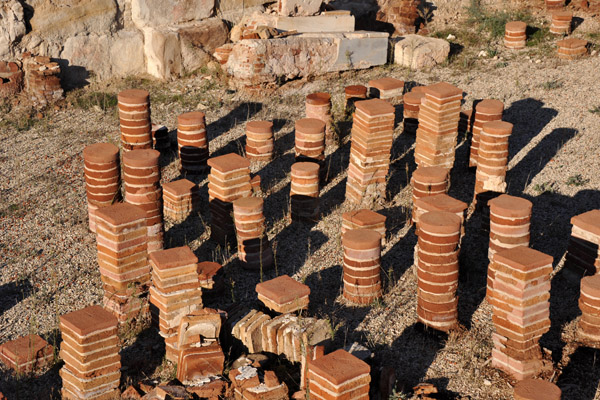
[259,141]
[493,157]
[536,389]
[412,104]
[192,142]
[571,48]
[254,249]
[339,375]
[362,266]
[364,219]
[180,199]
[309,138]
[353,94]
[304,192]
[390,89]
[510,218]
[134,118]
[515,36]
[588,327]
[428,181]
[318,106]
[485,111]
[561,22]
[583,253]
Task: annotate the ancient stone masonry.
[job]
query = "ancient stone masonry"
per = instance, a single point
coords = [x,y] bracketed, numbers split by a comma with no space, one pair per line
[485,111]
[520,292]
[11,79]
[192,142]
[389,89]
[492,158]
[412,103]
[362,266]
[42,81]
[515,35]
[283,294]
[318,105]
[339,375]
[175,292]
[134,118]
[428,181]
[254,249]
[437,269]
[26,354]
[309,139]
[141,176]
[90,351]
[561,22]
[122,257]
[536,389]
[364,219]
[583,253]
[180,199]
[304,192]
[439,115]
[571,48]
[259,140]
[229,180]
[102,178]
[510,218]
[588,327]
[372,136]
[402,14]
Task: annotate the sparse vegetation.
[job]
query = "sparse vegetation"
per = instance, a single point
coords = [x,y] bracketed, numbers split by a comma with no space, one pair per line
[494,22]
[545,187]
[595,110]
[577,180]
[553,84]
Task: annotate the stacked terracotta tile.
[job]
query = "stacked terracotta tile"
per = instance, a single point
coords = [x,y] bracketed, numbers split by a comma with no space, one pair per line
[364,219]
[588,328]
[180,199]
[26,354]
[428,181]
[192,142]
[318,106]
[229,180]
[571,48]
[437,269]
[412,104]
[353,94]
[310,140]
[250,383]
[390,89]
[515,35]
[175,292]
[160,137]
[583,253]
[372,137]
[90,351]
[304,192]
[439,202]
[283,294]
[254,250]
[521,310]
[536,389]
[141,175]
[485,111]
[338,375]
[11,79]
[465,124]
[42,79]
[210,276]
[402,14]
[492,158]
[134,117]
[510,218]
[200,356]
[362,266]
[439,115]
[561,22]
[555,4]
[259,140]
[122,257]
[102,178]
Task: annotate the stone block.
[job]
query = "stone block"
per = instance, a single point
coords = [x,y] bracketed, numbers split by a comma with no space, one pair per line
[163,53]
[419,52]
[155,13]
[200,40]
[298,7]
[326,22]
[12,27]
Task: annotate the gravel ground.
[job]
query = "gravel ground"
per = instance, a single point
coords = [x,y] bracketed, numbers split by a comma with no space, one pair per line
[47,255]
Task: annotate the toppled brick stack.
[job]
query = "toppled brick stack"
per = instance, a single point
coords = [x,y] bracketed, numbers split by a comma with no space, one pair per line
[339,375]
[304,192]
[428,181]
[175,292]
[485,111]
[588,327]
[42,79]
[521,310]
[90,351]
[122,257]
[102,178]
[283,294]
[310,140]
[141,176]
[362,266]
[437,269]
[510,218]
[492,158]
[192,142]
[11,79]
[210,276]
[249,383]
[515,35]
[318,106]
[354,93]
[439,202]
[254,250]
[229,180]
[583,253]
[26,354]
[536,389]
[134,118]
[412,104]
[364,219]
[160,137]
[180,199]
[259,140]
[439,115]
[390,89]
[571,48]
[561,22]
[372,137]
[555,4]
[402,14]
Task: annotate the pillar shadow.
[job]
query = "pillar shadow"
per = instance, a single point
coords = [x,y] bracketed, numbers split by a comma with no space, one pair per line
[240,114]
[12,293]
[581,377]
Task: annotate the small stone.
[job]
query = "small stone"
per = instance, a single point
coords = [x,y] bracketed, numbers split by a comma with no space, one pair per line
[482,53]
[450,37]
[487,382]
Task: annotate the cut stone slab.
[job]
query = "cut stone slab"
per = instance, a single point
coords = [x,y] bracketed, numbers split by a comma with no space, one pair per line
[420,52]
[163,53]
[326,22]
[298,7]
[155,13]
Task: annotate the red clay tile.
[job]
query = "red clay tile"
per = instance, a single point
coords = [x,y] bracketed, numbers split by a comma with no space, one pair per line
[282,289]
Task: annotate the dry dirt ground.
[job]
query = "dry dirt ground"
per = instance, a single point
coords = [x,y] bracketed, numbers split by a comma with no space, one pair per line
[47,255]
